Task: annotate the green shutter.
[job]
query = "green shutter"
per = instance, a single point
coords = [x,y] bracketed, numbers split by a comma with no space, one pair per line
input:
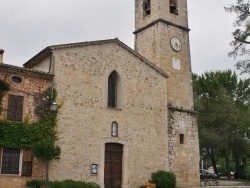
[15,108]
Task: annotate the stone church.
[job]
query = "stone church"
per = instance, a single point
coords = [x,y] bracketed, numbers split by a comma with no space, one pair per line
[124,113]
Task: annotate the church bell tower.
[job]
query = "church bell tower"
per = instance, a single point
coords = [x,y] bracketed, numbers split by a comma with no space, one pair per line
[162,37]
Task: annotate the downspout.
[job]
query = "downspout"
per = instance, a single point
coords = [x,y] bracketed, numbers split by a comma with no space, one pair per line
[52,68]
[50,61]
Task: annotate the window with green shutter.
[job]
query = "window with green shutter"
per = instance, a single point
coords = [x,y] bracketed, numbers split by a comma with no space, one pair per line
[27,162]
[15,108]
[11,163]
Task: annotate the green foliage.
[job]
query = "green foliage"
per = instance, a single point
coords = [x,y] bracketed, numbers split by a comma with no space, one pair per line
[163,179]
[46,150]
[40,136]
[23,135]
[247,171]
[241,34]
[35,184]
[222,101]
[241,172]
[4,87]
[221,169]
[60,184]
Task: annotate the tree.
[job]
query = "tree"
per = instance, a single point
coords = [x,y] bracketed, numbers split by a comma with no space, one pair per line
[222,101]
[46,150]
[241,34]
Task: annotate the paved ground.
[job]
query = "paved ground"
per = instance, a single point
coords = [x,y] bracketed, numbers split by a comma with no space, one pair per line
[222,184]
[229,183]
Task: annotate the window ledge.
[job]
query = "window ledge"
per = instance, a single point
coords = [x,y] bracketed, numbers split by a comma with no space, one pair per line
[16,175]
[110,108]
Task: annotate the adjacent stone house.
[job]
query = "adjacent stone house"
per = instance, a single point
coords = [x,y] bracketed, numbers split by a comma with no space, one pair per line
[17,165]
[125,113]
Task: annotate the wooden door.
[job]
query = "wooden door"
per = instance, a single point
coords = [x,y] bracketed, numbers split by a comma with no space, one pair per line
[113,166]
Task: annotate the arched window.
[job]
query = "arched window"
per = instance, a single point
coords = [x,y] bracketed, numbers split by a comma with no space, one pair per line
[112,90]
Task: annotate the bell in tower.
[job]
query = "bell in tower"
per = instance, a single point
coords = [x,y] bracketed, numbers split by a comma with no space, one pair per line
[173,7]
[146,7]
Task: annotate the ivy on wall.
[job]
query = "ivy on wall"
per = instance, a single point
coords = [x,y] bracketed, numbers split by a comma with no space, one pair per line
[23,134]
[4,87]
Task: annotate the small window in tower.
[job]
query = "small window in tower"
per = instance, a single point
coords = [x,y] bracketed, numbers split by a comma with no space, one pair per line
[181,138]
[173,7]
[146,6]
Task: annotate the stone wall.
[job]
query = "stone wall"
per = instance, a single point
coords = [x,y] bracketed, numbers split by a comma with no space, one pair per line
[157,49]
[160,10]
[32,87]
[153,40]
[13,181]
[84,120]
[17,181]
[183,156]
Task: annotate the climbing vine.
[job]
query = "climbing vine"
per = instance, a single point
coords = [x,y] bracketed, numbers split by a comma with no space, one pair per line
[23,134]
[4,87]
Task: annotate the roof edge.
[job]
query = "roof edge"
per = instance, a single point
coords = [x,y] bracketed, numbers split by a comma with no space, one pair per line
[34,73]
[48,51]
[40,56]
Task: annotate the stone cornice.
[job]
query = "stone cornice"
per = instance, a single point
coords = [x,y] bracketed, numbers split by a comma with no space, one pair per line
[162,21]
[181,109]
[48,50]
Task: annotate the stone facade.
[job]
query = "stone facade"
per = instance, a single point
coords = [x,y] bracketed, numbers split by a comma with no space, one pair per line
[84,121]
[183,156]
[32,87]
[153,40]
[157,126]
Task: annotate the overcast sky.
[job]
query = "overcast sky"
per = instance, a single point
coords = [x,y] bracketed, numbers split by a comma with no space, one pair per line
[28,26]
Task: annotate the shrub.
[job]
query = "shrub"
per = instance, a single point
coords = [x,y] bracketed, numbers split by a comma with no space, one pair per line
[243,172]
[247,170]
[60,184]
[72,184]
[163,179]
[240,172]
[35,184]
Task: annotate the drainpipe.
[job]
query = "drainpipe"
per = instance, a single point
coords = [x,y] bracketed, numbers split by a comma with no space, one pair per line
[53,103]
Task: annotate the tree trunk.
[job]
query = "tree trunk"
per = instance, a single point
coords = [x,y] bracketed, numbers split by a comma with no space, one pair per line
[213,161]
[228,168]
[237,165]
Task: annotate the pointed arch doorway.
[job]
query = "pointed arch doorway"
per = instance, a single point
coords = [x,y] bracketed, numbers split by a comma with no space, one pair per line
[113,165]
